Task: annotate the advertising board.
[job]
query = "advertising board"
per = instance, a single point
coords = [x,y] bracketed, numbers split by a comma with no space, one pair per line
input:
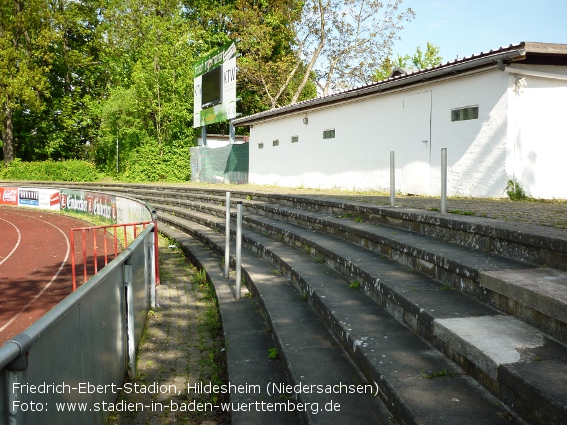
[130,211]
[49,199]
[8,196]
[90,203]
[28,197]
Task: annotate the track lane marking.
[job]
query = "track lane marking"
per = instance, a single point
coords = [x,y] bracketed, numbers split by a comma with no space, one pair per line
[52,279]
[17,244]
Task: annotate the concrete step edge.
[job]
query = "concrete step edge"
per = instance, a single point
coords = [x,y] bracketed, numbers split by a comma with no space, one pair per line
[544,312]
[390,394]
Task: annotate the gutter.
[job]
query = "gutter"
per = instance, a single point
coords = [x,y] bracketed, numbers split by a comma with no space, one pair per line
[531,73]
[496,59]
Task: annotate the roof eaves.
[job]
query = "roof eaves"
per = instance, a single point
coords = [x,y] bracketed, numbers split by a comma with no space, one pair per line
[493,57]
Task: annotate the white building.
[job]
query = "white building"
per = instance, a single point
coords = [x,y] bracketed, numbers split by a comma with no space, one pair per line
[500,115]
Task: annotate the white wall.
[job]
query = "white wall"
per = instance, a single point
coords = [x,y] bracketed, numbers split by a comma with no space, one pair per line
[352,160]
[480,151]
[476,149]
[538,142]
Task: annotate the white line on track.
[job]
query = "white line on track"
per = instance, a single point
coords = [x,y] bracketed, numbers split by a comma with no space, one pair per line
[17,244]
[50,282]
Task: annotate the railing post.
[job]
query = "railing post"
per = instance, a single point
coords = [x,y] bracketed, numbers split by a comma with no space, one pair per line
[227,237]
[104,237]
[392,180]
[153,271]
[130,318]
[444,181]
[156,248]
[238,264]
[74,273]
[84,257]
[94,253]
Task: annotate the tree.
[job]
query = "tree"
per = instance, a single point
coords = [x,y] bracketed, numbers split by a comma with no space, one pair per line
[149,107]
[66,126]
[25,37]
[269,65]
[288,45]
[344,40]
[419,60]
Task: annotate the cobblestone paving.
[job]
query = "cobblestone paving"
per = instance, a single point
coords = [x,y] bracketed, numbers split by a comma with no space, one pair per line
[177,349]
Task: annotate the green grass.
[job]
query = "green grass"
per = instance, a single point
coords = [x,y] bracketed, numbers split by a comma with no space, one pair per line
[437,374]
[460,212]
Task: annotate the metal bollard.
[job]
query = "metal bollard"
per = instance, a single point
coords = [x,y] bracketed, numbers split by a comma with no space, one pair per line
[444,181]
[227,238]
[392,180]
[238,265]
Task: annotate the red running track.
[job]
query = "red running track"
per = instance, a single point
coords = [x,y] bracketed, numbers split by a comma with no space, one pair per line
[35,265]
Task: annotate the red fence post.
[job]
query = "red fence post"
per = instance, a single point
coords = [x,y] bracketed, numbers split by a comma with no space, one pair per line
[86,230]
[84,256]
[104,235]
[115,242]
[73,260]
[94,253]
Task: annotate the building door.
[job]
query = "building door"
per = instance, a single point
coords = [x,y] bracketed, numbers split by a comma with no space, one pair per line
[415,151]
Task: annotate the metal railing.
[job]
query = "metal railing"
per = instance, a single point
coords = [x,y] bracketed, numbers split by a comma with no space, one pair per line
[117,241]
[69,366]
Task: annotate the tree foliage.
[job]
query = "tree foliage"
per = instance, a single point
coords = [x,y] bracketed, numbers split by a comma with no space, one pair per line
[111,81]
[419,60]
[342,41]
[149,101]
[290,45]
[270,65]
[61,171]
[25,39]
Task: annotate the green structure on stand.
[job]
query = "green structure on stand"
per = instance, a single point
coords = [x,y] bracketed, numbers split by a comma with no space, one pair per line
[227,164]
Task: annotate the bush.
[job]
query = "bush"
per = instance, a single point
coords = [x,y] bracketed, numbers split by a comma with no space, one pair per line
[148,164]
[65,171]
[515,191]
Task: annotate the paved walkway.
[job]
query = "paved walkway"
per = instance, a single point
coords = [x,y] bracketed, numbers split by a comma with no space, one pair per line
[553,214]
[182,345]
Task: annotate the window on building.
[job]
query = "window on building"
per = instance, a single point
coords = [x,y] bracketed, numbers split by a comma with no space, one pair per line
[464,114]
[329,134]
[294,139]
[276,142]
[260,146]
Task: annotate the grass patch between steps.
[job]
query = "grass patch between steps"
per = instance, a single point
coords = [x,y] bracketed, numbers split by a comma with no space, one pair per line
[437,374]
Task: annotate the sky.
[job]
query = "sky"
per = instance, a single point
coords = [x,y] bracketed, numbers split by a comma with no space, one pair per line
[466,27]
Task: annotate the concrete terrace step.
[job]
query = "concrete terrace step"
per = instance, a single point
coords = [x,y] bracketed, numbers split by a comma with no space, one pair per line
[313,357]
[540,245]
[454,323]
[388,352]
[535,295]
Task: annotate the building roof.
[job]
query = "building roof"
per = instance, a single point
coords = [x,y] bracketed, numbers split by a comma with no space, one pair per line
[524,52]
